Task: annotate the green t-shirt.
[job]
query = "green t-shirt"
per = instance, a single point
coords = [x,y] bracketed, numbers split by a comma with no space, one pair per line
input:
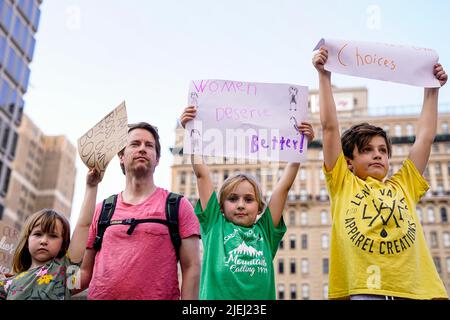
[47,282]
[237,261]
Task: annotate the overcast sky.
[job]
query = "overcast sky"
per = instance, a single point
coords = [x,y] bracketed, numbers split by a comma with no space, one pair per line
[92,54]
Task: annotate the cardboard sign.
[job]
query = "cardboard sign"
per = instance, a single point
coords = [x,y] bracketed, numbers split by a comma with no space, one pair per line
[389,62]
[247,120]
[9,238]
[99,145]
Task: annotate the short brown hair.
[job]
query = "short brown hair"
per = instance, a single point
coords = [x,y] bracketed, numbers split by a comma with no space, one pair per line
[46,218]
[152,129]
[230,183]
[360,135]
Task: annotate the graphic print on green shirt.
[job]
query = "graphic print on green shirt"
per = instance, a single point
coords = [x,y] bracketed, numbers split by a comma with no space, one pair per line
[237,261]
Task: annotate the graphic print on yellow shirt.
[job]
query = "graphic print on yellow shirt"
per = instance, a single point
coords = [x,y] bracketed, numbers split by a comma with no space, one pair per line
[378,246]
[383,216]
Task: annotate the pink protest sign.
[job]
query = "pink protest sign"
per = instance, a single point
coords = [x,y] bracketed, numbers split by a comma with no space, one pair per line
[247,120]
[389,62]
[9,237]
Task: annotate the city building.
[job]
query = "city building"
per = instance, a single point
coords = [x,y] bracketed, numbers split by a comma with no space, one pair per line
[19,20]
[302,261]
[43,175]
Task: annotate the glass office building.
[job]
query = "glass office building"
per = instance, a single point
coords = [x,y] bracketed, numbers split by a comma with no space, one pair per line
[19,20]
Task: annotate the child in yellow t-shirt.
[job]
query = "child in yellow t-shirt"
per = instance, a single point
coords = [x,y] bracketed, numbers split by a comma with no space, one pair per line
[378,249]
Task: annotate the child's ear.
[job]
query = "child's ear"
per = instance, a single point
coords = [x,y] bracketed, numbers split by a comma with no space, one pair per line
[349,164]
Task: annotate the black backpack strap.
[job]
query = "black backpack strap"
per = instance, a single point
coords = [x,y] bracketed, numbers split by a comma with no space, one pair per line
[134,222]
[172,207]
[108,207]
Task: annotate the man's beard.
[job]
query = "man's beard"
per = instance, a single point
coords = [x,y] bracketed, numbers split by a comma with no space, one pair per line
[142,171]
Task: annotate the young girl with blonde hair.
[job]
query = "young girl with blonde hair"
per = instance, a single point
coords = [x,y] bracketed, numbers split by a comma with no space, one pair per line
[238,248]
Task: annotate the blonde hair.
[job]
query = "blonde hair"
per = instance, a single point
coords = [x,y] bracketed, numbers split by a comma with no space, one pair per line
[46,218]
[230,183]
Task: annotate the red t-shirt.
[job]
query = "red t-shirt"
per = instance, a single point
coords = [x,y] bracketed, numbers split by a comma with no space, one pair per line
[140,266]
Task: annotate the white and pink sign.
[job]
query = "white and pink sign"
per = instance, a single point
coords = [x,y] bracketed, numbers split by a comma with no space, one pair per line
[9,238]
[247,120]
[389,62]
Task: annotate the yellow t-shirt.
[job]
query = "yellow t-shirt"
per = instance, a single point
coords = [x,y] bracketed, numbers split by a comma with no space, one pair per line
[377,245]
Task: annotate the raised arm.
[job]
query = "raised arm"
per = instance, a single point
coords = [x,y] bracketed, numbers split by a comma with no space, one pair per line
[281,190]
[426,126]
[79,238]
[201,171]
[328,117]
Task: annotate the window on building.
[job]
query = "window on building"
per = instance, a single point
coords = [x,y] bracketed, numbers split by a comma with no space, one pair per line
[292,241]
[6,181]
[304,218]
[325,265]
[293,291]
[305,266]
[2,49]
[226,174]
[321,175]
[323,194]
[281,292]
[183,178]
[305,291]
[444,216]
[398,130]
[292,218]
[12,149]
[291,195]
[302,174]
[430,215]
[448,262]
[426,172]
[215,177]
[419,214]
[446,238]
[435,148]
[433,239]
[437,263]
[444,127]
[440,190]
[5,139]
[5,14]
[280,266]
[324,217]
[437,169]
[409,130]
[36,16]
[325,241]
[281,244]
[304,238]
[325,291]
[303,195]
[293,266]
